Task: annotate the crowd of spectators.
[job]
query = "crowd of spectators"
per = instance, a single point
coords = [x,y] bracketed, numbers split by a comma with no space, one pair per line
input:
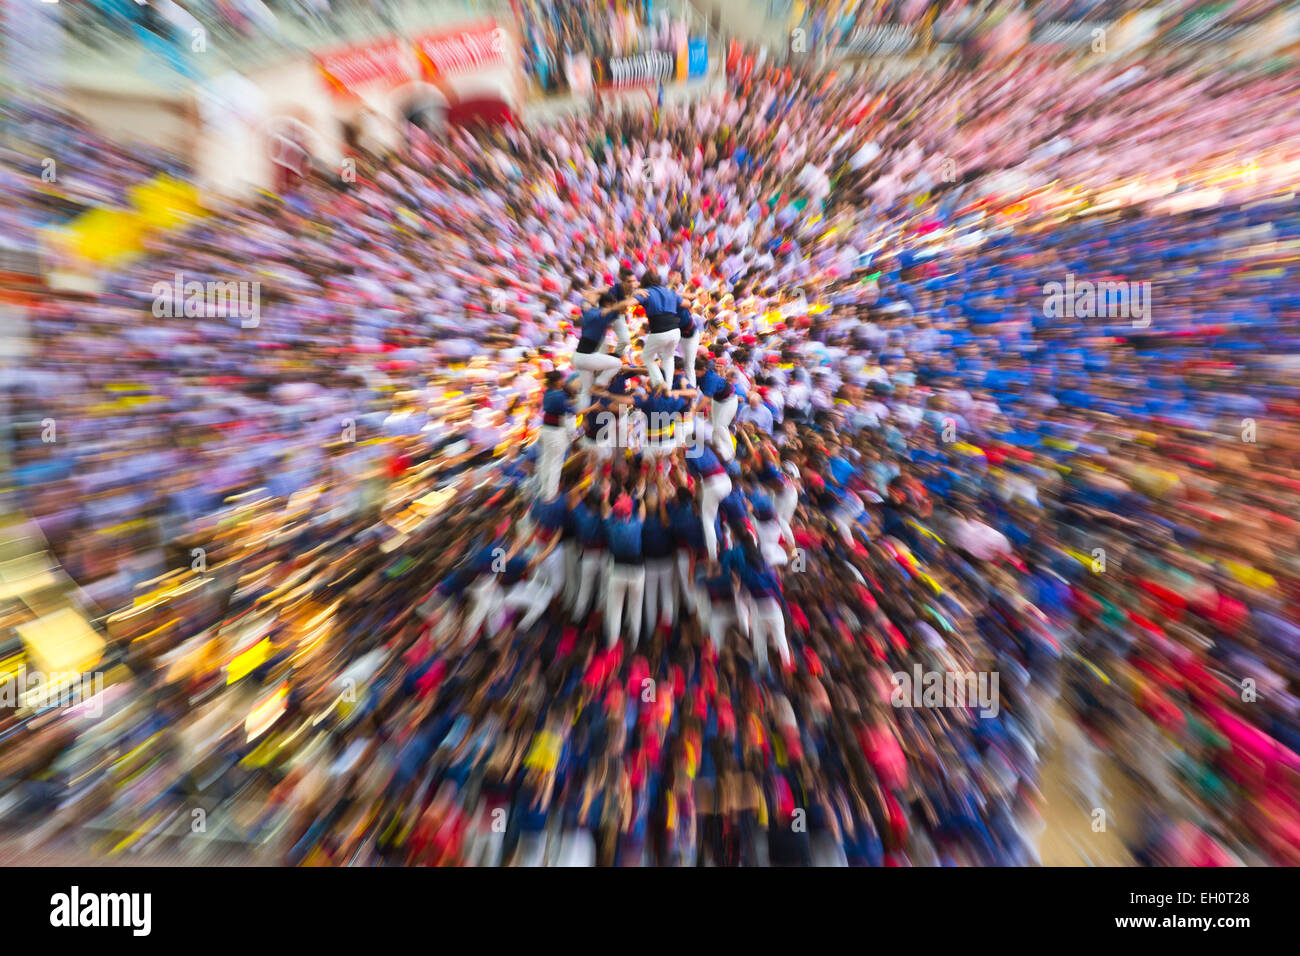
[387,587]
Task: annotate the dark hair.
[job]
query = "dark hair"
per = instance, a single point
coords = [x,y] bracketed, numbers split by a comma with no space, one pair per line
[650,278]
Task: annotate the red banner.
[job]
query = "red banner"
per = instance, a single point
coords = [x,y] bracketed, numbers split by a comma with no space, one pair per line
[347,68]
[462,50]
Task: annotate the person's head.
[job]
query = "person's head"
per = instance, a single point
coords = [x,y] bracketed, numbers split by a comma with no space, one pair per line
[650,279]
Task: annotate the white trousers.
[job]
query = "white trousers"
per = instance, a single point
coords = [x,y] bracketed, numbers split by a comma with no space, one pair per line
[577,848]
[483,844]
[623,597]
[534,595]
[768,624]
[660,599]
[532,849]
[593,367]
[554,447]
[621,333]
[712,491]
[591,573]
[721,415]
[769,541]
[786,503]
[658,355]
[722,617]
[690,346]
[845,516]
[485,602]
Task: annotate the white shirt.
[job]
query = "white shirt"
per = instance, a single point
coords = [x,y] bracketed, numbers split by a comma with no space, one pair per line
[979,539]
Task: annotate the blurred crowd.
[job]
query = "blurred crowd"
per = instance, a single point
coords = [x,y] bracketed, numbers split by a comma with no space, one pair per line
[189,40]
[560,40]
[54,166]
[99,23]
[835,22]
[581,494]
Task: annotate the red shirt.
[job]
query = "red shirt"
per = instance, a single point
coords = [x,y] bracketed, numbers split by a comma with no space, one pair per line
[398,464]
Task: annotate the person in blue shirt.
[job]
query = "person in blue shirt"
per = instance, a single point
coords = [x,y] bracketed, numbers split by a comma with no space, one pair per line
[662,328]
[497,565]
[848,508]
[768,471]
[542,578]
[657,545]
[553,437]
[690,329]
[723,402]
[719,607]
[664,413]
[767,527]
[735,506]
[589,534]
[714,486]
[594,364]
[625,589]
[762,587]
[602,426]
[623,288]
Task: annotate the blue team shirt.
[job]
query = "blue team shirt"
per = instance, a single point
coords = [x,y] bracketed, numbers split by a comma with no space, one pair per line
[705,462]
[550,516]
[662,413]
[587,526]
[841,471]
[596,322]
[556,405]
[624,538]
[688,529]
[764,510]
[714,385]
[687,322]
[733,508]
[618,384]
[661,305]
[772,476]
[485,557]
[760,582]
[656,537]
